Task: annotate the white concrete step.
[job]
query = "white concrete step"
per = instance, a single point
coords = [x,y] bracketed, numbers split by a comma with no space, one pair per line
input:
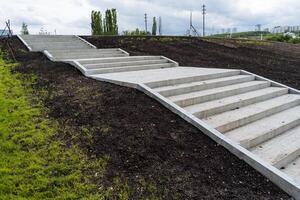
[202,85]
[281,150]
[207,109]
[264,129]
[62,47]
[128,68]
[293,169]
[201,96]
[233,119]
[47,36]
[123,64]
[53,41]
[89,56]
[189,79]
[123,59]
[56,43]
[87,50]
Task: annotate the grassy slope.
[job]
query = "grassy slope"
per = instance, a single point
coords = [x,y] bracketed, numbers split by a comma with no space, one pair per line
[33,164]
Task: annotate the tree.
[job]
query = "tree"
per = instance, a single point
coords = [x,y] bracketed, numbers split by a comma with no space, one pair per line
[108,25]
[108,22]
[154,26]
[24,29]
[114,22]
[96,24]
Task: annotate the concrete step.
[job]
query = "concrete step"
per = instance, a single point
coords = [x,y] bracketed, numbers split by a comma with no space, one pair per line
[201,96]
[202,85]
[62,47]
[123,64]
[207,109]
[128,68]
[293,170]
[264,129]
[123,59]
[91,54]
[48,38]
[87,50]
[78,57]
[236,118]
[281,150]
[51,41]
[189,79]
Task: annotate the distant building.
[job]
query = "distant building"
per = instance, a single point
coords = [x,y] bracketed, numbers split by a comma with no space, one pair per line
[284,29]
[234,30]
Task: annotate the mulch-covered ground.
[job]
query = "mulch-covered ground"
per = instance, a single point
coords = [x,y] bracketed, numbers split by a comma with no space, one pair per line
[277,61]
[154,150]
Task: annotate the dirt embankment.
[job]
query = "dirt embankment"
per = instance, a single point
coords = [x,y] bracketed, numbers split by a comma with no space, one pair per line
[154,150]
[277,61]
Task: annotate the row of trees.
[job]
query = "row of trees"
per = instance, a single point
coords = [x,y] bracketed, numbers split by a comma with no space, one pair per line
[104,26]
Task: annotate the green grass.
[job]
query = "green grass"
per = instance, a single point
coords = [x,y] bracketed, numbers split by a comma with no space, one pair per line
[249,35]
[32,164]
[254,42]
[35,162]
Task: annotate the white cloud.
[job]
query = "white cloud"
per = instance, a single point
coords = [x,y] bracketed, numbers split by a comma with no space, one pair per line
[73,16]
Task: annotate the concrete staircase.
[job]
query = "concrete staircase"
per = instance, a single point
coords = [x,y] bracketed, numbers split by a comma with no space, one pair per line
[255,118]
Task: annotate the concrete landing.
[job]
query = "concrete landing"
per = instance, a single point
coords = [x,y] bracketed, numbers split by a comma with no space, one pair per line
[256,119]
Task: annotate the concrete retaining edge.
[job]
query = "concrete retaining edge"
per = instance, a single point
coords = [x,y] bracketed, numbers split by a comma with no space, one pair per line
[48,55]
[91,45]
[273,174]
[25,43]
[273,83]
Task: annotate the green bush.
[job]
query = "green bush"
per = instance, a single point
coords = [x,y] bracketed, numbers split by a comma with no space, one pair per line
[283,38]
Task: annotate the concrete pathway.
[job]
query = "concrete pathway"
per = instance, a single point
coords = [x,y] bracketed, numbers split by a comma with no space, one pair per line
[255,118]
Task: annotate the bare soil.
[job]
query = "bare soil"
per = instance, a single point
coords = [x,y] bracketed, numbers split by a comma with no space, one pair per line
[155,151]
[277,61]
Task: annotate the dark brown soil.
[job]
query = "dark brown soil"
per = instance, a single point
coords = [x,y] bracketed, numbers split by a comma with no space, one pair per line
[277,61]
[144,141]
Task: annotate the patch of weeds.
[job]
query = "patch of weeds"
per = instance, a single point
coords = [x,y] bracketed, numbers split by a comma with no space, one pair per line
[254,42]
[168,39]
[118,190]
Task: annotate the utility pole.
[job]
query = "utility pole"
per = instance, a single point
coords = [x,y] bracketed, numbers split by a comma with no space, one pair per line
[159,26]
[146,29]
[192,29]
[191,23]
[203,13]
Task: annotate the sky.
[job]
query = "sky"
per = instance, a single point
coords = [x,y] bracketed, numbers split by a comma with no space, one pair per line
[73,16]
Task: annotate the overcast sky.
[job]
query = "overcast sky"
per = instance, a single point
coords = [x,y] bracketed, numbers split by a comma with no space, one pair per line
[73,16]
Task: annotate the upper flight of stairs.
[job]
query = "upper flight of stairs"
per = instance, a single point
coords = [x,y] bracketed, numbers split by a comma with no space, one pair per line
[255,118]
[88,58]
